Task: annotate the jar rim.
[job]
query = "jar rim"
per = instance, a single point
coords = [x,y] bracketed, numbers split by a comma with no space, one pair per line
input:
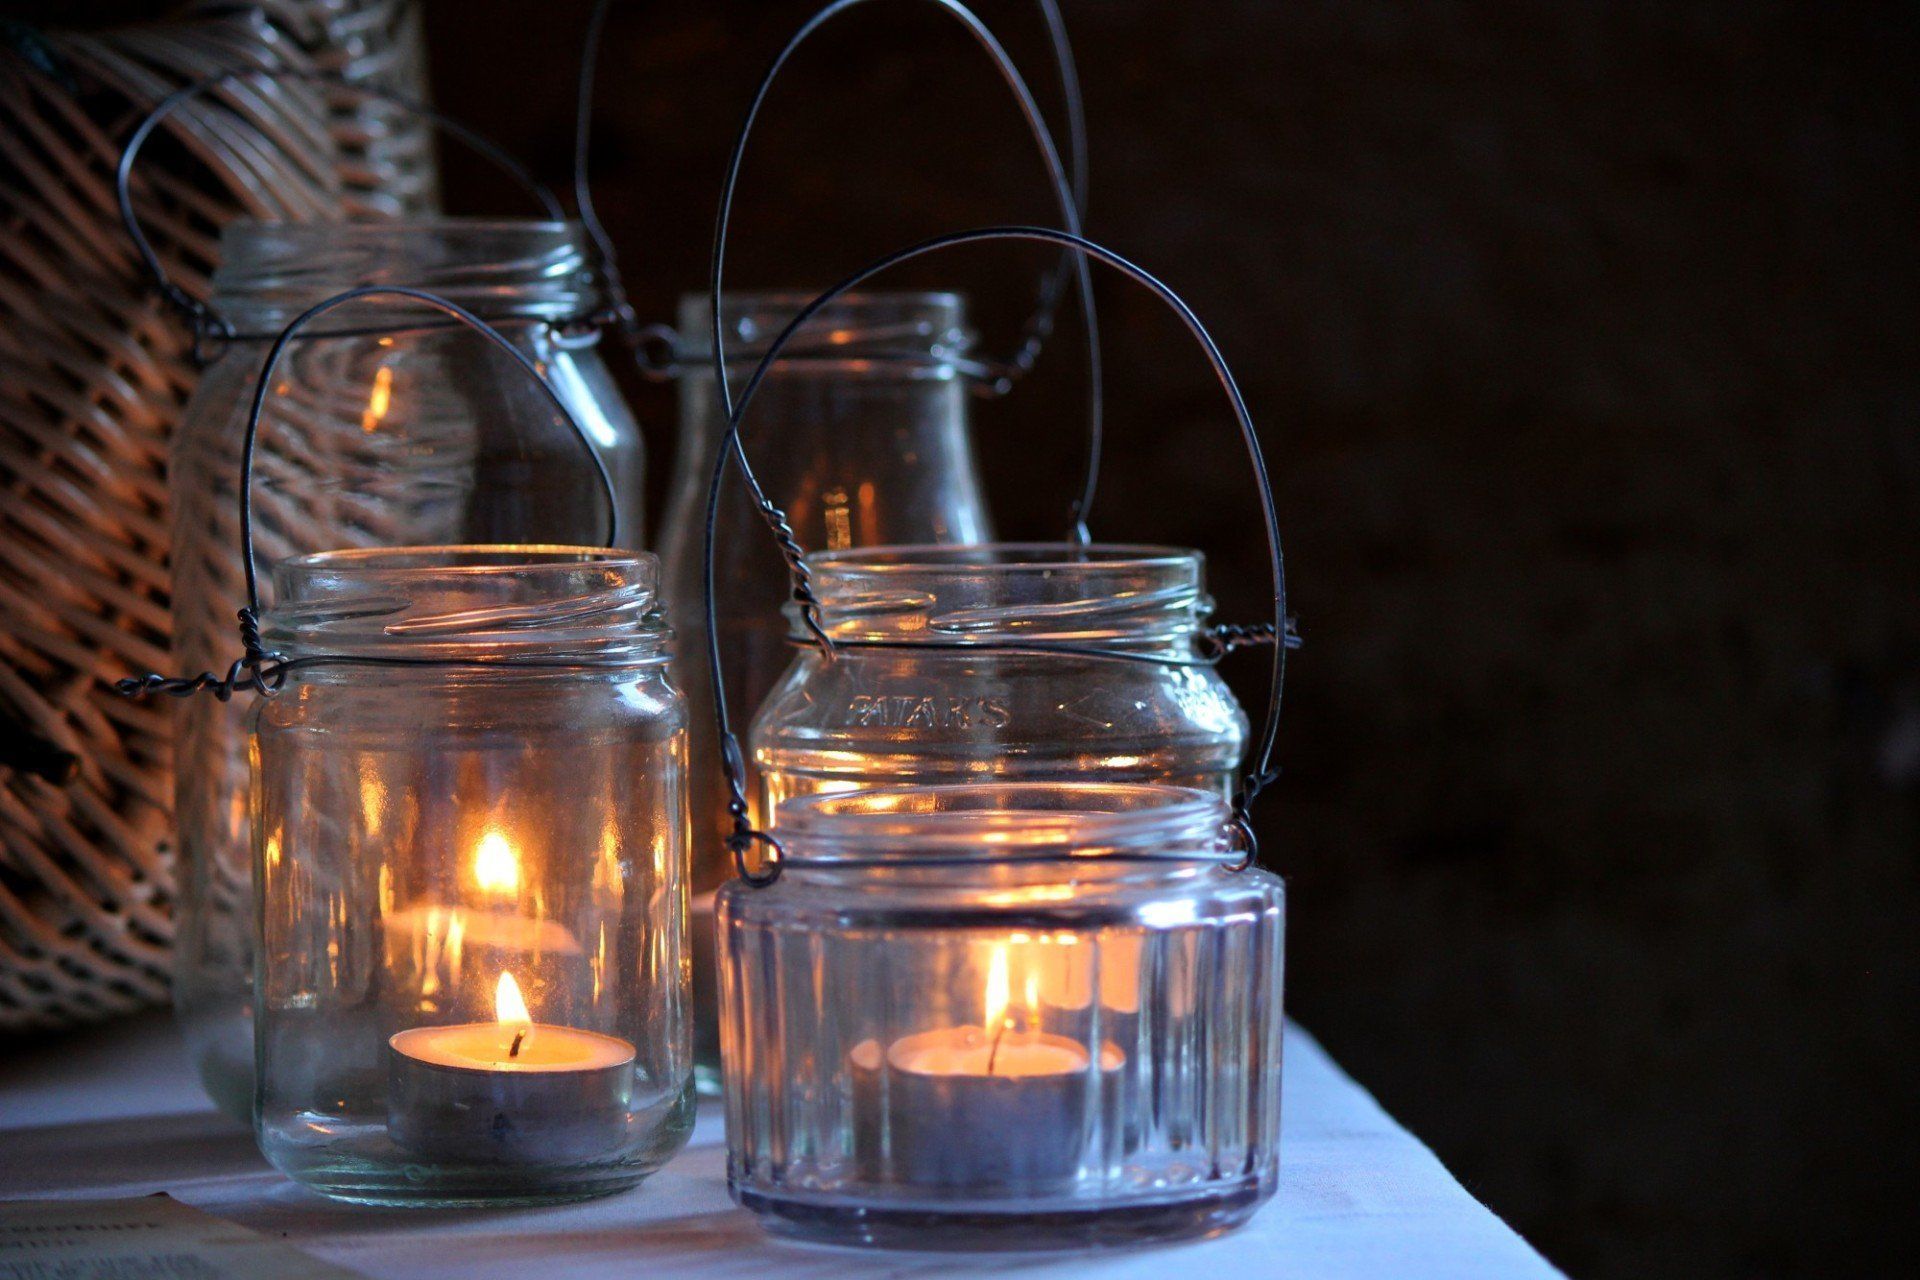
[995,822]
[909,334]
[990,592]
[478,557]
[1006,557]
[500,268]
[499,601]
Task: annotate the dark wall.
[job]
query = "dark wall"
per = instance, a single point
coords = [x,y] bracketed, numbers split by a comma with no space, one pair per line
[1582,338]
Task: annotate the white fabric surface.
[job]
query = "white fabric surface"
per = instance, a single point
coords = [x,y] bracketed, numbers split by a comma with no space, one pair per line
[117,1112]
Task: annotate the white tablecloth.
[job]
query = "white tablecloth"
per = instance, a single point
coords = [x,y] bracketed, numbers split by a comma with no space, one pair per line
[117,1112]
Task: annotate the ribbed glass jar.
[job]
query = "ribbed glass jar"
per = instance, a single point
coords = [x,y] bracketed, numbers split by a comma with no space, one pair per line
[1134,702]
[401,435]
[861,436]
[470,822]
[1022,1015]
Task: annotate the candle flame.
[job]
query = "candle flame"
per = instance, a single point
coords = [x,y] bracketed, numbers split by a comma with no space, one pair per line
[496,865]
[998,988]
[508,1008]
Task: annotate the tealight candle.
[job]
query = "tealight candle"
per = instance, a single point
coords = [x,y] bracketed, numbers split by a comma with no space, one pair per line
[980,1106]
[511,1091]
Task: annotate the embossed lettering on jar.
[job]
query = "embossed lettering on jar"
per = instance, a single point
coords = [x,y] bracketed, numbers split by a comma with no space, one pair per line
[929,683]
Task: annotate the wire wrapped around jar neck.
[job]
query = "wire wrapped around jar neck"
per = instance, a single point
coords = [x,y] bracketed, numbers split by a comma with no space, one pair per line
[1139,603]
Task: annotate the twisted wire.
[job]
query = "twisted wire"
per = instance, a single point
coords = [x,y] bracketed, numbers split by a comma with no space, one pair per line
[799,575]
[255,671]
[1222,638]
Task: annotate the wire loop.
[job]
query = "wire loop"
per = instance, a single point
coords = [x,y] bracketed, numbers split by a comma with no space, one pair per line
[257,670]
[1258,773]
[201,315]
[744,839]
[1068,190]
[1245,837]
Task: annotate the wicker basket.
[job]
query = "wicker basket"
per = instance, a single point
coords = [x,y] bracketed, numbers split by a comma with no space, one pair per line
[93,374]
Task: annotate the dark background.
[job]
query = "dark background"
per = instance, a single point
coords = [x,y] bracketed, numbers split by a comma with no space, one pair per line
[1581,336]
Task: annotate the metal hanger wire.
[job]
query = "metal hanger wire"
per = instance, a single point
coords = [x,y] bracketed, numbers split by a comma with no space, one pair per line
[1257,774]
[209,326]
[1064,192]
[259,671]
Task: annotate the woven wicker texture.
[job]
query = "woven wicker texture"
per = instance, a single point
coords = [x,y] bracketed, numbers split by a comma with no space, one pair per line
[93,373]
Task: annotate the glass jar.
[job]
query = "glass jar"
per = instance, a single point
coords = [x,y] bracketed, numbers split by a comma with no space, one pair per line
[404,435]
[1027,1015]
[860,434]
[470,822]
[1131,702]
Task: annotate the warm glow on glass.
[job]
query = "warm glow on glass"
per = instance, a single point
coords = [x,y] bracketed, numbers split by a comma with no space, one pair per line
[496,865]
[508,1008]
[373,795]
[379,400]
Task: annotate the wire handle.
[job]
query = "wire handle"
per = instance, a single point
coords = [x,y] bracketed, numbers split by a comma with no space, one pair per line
[1067,191]
[207,323]
[1257,774]
[256,669]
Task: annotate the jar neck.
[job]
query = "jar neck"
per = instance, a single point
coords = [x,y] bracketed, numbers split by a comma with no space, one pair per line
[500,269]
[1011,835]
[1104,595]
[884,335]
[531,605]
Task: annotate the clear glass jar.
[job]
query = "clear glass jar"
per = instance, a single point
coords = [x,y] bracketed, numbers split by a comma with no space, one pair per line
[471,837]
[861,436]
[407,436]
[1027,1015]
[1136,704]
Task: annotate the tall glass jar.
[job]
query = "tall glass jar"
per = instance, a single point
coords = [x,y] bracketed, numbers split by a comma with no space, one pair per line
[470,826]
[860,434]
[1028,1015]
[1132,701]
[402,435]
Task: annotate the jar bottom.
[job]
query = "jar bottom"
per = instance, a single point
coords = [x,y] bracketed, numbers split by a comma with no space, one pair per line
[357,1163]
[378,1194]
[219,1038]
[834,1220]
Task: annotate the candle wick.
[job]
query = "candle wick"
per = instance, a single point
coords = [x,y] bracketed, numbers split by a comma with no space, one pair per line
[514,1050]
[994,1051]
